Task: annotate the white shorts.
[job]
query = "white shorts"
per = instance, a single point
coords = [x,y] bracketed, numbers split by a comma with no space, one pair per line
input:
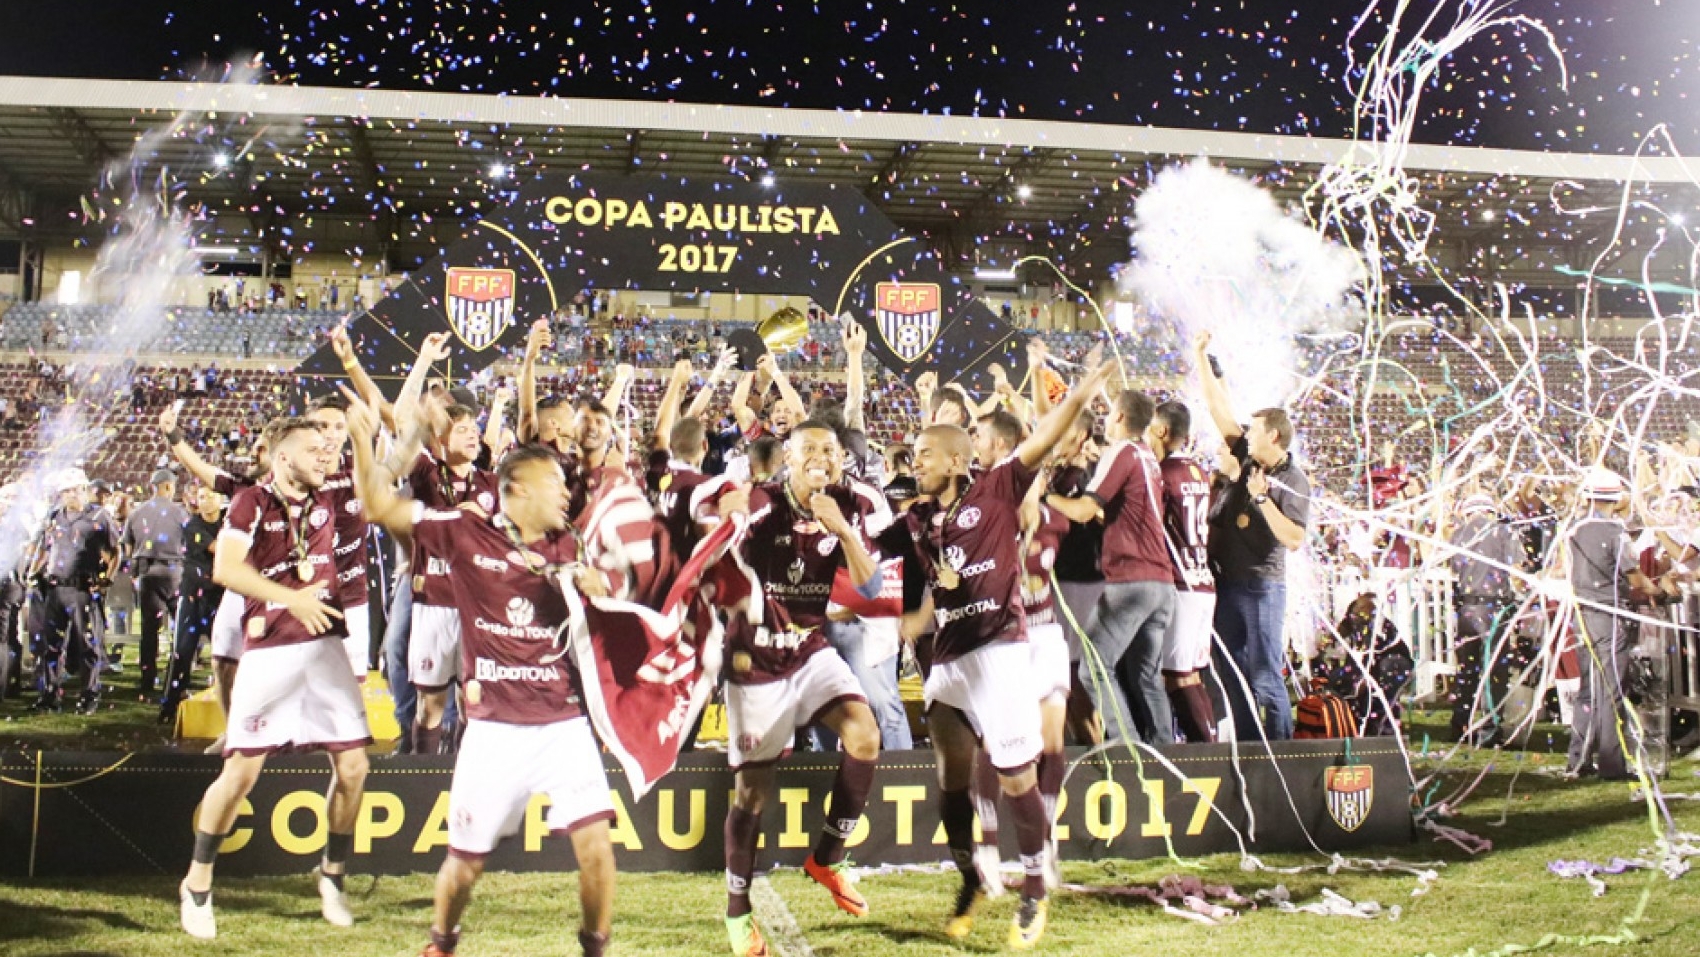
[296,697]
[499,768]
[227,641]
[1186,645]
[993,688]
[433,650]
[358,644]
[762,719]
[1051,672]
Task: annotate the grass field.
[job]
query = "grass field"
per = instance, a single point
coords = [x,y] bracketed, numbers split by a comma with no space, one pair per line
[1478,905]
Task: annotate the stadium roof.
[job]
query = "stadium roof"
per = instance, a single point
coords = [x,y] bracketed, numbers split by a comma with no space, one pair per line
[400,169]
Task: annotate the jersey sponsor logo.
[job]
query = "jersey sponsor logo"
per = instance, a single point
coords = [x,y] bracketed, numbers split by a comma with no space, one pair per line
[480,304]
[274,526]
[796,571]
[436,566]
[781,541]
[907,315]
[978,569]
[527,632]
[318,517]
[954,556]
[489,564]
[947,615]
[520,612]
[969,518]
[1349,792]
[486,670]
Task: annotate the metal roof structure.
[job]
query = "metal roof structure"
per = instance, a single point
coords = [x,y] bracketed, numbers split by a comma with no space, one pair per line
[396,173]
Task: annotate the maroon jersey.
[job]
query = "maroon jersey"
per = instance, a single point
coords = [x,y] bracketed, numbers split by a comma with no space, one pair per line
[1037,596]
[1186,521]
[509,615]
[438,488]
[679,494]
[350,538]
[795,560]
[979,538]
[259,516]
[584,481]
[1129,490]
[228,485]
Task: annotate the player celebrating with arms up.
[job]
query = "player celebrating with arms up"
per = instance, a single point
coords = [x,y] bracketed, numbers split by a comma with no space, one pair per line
[278,550]
[526,732]
[980,692]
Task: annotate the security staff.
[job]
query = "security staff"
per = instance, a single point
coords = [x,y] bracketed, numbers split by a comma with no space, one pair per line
[198,601]
[12,528]
[1488,549]
[79,560]
[1602,562]
[153,543]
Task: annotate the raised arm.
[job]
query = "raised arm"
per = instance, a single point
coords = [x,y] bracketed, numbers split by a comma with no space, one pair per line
[705,395]
[855,380]
[374,485]
[1050,430]
[616,394]
[535,343]
[433,350]
[1215,392]
[669,411]
[787,394]
[182,451]
[358,377]
[496,434]
[1036,353]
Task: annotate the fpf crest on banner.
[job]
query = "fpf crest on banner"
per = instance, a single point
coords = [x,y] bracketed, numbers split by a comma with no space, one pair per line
[1350,793]
[908,317]
[480,304]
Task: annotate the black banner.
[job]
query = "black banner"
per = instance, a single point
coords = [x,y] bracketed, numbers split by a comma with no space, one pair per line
[86,814]
[562,235]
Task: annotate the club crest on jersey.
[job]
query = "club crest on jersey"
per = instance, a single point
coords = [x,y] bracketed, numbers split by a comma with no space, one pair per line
[520,612]
[487,502]
[908,316]
[318,517]
[1350,792]
[826,545]
[480,304]
[969,518]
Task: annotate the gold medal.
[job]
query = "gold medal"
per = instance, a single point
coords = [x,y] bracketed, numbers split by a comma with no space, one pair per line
[1244,521]
[742,662]
[474,692]
[948,579]
[419,583]
[304,570]
[256,627]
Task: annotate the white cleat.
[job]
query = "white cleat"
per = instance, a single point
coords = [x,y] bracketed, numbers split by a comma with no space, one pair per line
[197,919]
[333,902]
[989,865]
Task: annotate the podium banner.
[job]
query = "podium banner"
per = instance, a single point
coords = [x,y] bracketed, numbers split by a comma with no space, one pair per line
[70,814]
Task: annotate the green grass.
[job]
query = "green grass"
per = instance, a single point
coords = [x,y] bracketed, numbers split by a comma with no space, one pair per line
[1480,904]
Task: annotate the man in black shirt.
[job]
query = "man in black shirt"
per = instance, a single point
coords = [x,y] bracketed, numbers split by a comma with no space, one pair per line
[1258,514]
[198,598]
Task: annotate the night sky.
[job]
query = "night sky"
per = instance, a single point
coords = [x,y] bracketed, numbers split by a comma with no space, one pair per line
[1251,65]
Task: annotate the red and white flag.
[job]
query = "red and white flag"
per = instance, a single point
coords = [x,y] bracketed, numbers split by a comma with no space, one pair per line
[648,659]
